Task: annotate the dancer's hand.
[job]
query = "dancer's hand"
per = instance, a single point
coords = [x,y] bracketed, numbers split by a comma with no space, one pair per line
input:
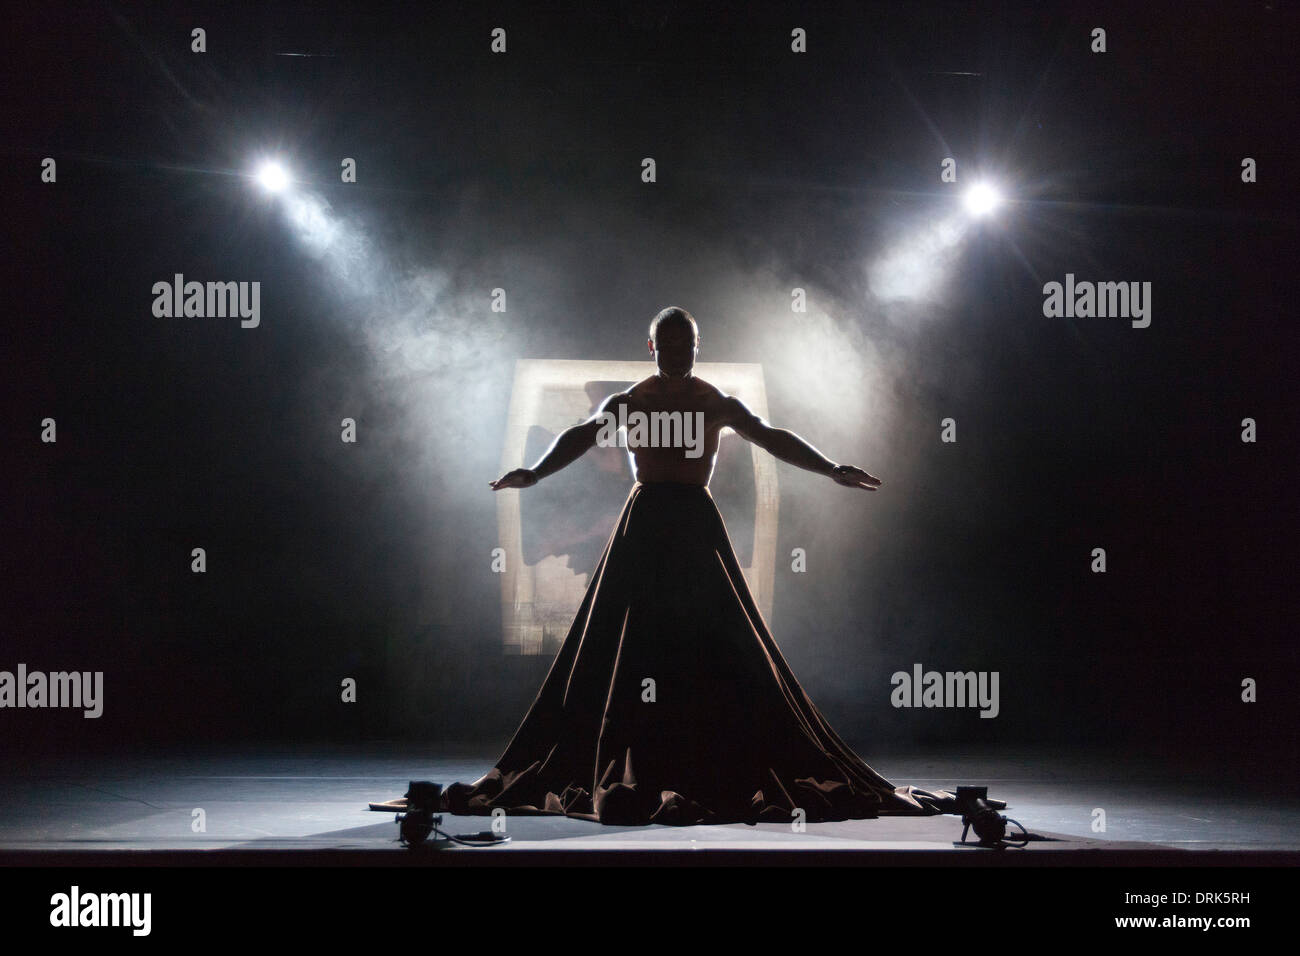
[852,476]
[519,478]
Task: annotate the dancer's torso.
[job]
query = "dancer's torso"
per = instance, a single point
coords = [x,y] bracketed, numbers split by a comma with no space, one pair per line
[650,464]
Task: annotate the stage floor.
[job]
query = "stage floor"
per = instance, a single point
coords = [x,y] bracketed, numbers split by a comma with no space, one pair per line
[310,802]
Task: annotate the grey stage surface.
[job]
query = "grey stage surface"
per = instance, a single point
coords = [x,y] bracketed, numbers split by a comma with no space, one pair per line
[310,802]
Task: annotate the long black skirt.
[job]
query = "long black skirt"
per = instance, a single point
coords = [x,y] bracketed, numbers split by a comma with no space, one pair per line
[670,703]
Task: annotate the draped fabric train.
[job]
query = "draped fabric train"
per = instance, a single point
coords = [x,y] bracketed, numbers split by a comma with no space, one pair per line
[669,701]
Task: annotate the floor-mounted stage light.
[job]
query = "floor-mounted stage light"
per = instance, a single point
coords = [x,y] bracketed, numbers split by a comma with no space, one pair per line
[990,826]
[418,817]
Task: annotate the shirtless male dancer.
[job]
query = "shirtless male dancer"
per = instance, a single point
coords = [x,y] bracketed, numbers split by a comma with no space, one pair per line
[674,341]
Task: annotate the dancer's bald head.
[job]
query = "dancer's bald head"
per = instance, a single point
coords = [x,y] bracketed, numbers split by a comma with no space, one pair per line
[671,317]
[674,340]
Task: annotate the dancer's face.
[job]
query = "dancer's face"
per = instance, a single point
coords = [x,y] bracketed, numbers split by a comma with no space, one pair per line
[674,348]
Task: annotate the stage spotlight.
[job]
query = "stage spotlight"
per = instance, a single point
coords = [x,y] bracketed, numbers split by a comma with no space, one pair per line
[272,177]
[981,199]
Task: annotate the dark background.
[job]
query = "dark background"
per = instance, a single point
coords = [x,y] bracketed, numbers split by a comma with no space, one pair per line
[775,170]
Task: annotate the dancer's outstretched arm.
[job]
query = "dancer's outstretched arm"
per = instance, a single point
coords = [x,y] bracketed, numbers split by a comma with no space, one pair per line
[570,445]
[789,447]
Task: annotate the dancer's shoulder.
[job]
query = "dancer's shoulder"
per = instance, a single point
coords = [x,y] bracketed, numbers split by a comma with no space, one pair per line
[710,393]
[628,397]
[724,399]
[740,416]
